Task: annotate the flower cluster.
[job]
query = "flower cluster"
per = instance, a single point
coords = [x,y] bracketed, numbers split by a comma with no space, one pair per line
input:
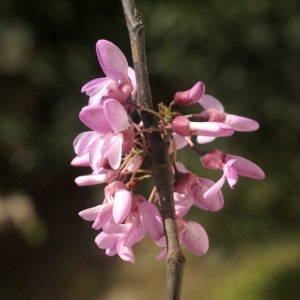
[118,152]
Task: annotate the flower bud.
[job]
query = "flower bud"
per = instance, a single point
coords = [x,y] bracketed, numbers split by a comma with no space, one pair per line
[191,96]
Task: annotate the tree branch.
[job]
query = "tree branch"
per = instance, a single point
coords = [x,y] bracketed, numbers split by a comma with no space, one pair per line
[161,168]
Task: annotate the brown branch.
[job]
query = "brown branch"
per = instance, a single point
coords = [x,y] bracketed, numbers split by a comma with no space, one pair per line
[161,168]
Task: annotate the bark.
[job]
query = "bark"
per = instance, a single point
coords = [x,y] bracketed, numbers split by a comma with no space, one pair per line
[162,174]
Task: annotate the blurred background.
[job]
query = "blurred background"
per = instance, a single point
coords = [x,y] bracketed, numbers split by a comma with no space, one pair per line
[247,54]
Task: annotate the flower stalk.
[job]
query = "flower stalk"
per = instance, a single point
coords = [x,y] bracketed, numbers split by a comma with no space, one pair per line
[162,174]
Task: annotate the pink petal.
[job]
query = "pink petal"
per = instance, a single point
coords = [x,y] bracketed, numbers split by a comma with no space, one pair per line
[90,179]
[197,91]
[94,85]
[94,117]
[91,214]
[112,228]
[179,141]
[162,255]
[84,142]
[241,123]
[136,231]
[246,167]
[214,129]
[162,243]
[124,252]
[104,216]
[111,251]
[204,139]
[116,115]
[81,161]
[231,173]
[194,238]
[181,167]
[191,96]
[131,74]
[215,188]
[122,205]
[183,203]
[213,203]
[104,240]
[208,101]
[151,219]
[112,149]
[96,154]
[112,60]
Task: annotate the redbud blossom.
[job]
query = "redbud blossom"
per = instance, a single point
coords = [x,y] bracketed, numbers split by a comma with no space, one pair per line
[184,127]
[214,112]
[189,190]
[232,166]
[191,235]
[191,96]
[120,78]
[118,152]
[112,136]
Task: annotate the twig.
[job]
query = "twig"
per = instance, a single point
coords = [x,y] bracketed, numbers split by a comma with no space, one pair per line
[161,167]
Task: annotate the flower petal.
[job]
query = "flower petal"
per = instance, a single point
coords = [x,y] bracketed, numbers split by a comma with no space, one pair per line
[246,167]
[122,205]
[112,60]
[215,188]
[136,231]
[116,115]
[94,117]
[96,154]
[131,75]
[84,142]
[204,139]
[81,161]
[103,217]
[151,219]
[194,237]
[213,203]
[93,86]
[91,214]
[179,142]
[208,101]
[112,149]
[214,129]
[104,240]
[231,173]
[183,203]
[91,179]
[241,123]
[124,252]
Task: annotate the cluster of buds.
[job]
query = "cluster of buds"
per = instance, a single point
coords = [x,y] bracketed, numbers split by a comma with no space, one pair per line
[119,154]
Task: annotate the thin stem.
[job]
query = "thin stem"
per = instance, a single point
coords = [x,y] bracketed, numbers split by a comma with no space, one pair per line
[152,112]
[162,173]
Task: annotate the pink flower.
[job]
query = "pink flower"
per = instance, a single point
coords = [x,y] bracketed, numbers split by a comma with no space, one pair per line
[92,179]
[115,244]
[124,219]
[184,127]
[116,205]
[177,142]
[112,136]
[192,236]
[214,112]
[119,238]
[120,78]
[189,190]
[191,96]
[232,166]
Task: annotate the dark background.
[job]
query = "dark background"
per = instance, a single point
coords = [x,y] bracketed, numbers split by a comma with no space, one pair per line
[247,54]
